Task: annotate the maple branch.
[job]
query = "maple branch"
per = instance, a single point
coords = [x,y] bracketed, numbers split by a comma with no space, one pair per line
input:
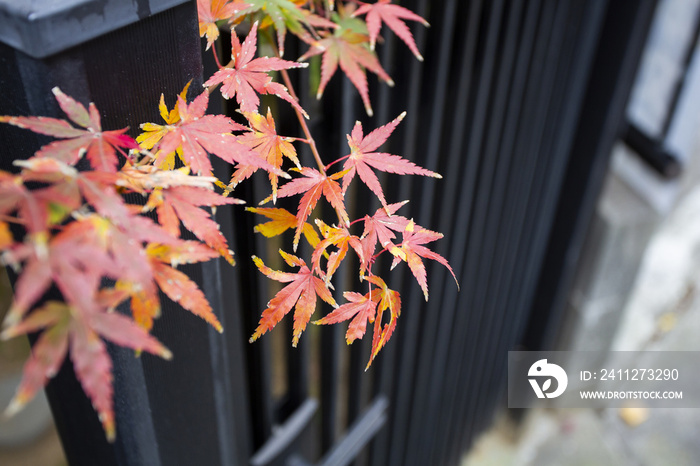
[302,121]
[216,57]
[300,117]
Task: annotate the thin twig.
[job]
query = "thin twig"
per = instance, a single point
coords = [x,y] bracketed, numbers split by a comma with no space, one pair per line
[300,117]
[302,121]
[216,56]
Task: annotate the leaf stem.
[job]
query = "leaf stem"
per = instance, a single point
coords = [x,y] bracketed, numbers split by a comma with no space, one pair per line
[300,117]
[216,56]
[336,161]
[9,219]
[302,121]
[374,257]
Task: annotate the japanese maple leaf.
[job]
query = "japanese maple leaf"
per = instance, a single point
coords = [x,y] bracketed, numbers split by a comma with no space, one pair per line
[196,134]
[383,10]
[153,133]
[386,299]
[302,291]
[363,159]
[340,238]
[264,140]
[77,257]
[71,259]
[70,329]
[361,309]
[283,14]
[249,75]
[411,250]
[145,302]
[280,221]
[211,11]
[145,178]
[349,49]
[381,227]
[181,289]
[98,190]
[182,203]
[313,185]
[14,196]
[99,146]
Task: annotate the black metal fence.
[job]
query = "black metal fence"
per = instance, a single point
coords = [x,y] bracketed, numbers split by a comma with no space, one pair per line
[517,104]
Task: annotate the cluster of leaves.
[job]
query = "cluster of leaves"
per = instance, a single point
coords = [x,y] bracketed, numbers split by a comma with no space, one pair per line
[74,231]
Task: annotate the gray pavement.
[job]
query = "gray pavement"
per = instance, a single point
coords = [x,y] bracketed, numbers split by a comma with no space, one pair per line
[662,314]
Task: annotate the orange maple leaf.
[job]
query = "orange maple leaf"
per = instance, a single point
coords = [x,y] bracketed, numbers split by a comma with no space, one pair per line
[302,290]
[411,250]
[280,221]
[211,11]
[386,299]
[264,140]
[340,238]
[313,185]
[182,203]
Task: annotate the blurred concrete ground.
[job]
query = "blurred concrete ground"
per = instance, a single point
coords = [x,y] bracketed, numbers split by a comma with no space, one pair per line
[29,438]
[662,314]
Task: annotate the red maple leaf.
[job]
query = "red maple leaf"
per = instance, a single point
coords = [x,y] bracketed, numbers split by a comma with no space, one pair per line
[73,260]
[302,290]
[211,11]
[182,203]
[313,186]
[99,146]
[383,10]
[264,140]
[67,327]
[340,238]
[181,289]
[98,189]
[411,250]
[362,158]
[196,134]
[14,196]
[381,227]
[386,299]
[349,49]
[175,284]
[360,309]
[249,75]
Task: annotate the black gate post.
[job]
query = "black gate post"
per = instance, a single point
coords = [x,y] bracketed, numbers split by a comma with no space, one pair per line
[122,55]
